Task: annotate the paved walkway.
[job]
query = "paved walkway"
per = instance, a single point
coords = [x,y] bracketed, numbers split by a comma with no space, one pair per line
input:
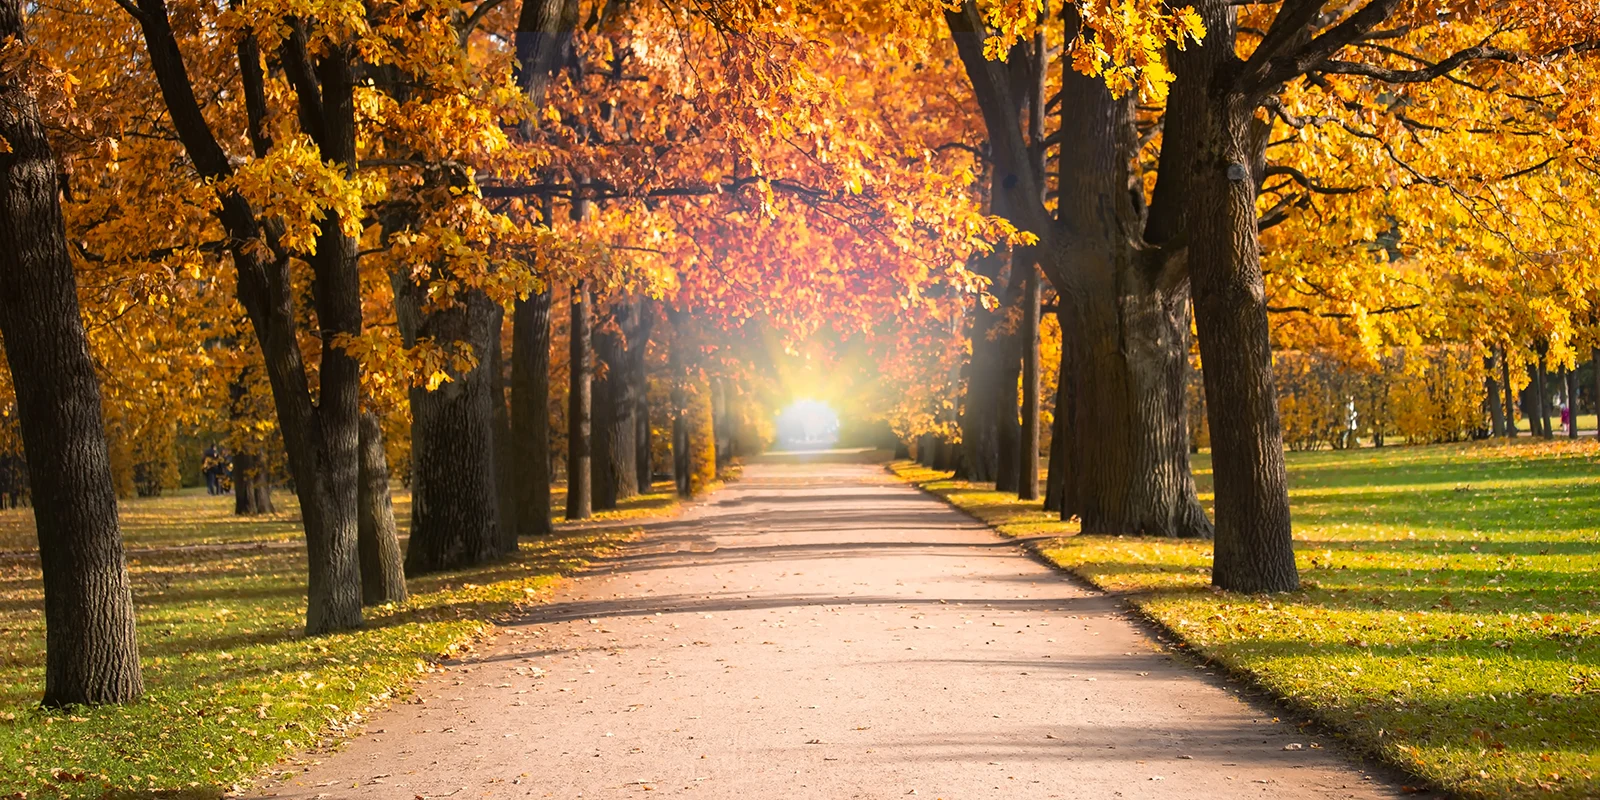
[822,631]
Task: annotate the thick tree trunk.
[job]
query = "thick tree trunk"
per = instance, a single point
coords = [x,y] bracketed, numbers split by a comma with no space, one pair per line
[321,437]
[383,578]
[1125,340]
[616,399]
[980,450]
[454,497]
[500,422]
[1028,452]
[263,492]
[334,586]
[530,414]
[579,406]
[91,651]
[244,484]
[945,455]
[1497,415]
[1254,548]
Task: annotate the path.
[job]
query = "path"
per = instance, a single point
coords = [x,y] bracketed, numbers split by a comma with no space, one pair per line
[822,631]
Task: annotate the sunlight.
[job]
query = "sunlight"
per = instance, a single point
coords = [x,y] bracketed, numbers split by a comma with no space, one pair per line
[808,425]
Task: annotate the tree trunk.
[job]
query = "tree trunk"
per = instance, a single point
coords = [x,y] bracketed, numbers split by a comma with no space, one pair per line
[1596,365]
[500,425]
[1056,480]
[1028,452]
[320,436]
[1124,404]
[334,586]
[91,651]
[602,471]
[1541,397]
[1254,549]
[1510,399]
[383,578]
[244,484]
[454,497]
[721,435]
[1497,415]
[643,472]
[1125,341]
[980,449]
[1008,430]
[530,414]
[579,406]
[1571,380]
[263,493]
[680,442]
[616,397]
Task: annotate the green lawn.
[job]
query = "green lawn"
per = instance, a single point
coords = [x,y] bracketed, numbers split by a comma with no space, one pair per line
[1449,621]
[231,684]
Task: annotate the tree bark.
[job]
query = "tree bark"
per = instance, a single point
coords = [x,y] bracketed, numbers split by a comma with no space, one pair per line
[1510,398]
[454,497]
[327,110]
[244,484]
[1541,397]
[616,398]
[91,650]
[1254,549]
[530,414]
[1124,306]
[1497,415]
[579,405]
[321,437]
[383,578]
[500,422]
[980,449]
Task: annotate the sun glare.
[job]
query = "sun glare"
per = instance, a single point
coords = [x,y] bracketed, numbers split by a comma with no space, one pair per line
[807,425]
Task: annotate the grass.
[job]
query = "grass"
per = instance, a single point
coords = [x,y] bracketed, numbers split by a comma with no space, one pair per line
[1449,621]
[231,684]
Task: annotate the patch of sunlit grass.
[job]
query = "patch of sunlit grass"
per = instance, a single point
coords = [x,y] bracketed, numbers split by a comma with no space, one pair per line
[231,684]
[1449,619]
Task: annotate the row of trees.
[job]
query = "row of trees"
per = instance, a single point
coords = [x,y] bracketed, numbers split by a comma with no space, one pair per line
[313,219]
[1300,174]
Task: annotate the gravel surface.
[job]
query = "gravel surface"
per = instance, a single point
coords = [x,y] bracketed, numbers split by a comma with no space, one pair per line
[823,631]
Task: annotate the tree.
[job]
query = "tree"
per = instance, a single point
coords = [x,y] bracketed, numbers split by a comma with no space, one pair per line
[1124,309]
[92,654]
[321,436]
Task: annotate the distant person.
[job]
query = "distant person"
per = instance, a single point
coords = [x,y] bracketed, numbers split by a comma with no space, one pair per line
[1564,413]
[213,465]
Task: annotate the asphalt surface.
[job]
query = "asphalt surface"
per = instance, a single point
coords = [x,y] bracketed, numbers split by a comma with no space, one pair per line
[822,631]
